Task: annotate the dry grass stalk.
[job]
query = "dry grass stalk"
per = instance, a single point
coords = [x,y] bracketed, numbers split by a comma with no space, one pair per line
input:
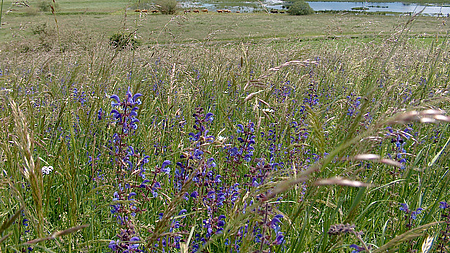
[409,235]
[391,162]
[341,181]
[31,171]
[295,62]
[376,158]
[5,237]
[274,70]
[252,95]
[427,116]
[368,157]
[58,234]
[285,186]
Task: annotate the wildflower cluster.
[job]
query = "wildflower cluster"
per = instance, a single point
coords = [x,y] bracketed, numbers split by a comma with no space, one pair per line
[243,150]
[131,175]
[398,139]
[354,105]
[267,231]
[25,230]
[210,193]
[410,215]
[126,112]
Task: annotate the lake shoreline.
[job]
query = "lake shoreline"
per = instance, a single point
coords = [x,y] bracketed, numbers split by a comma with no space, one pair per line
[379,7]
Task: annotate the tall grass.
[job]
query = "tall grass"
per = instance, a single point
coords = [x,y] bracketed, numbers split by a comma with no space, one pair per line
[272,147]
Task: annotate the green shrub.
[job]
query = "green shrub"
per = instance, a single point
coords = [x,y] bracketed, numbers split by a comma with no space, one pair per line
[122,41]
[167,6]
[300,8]
[40,29]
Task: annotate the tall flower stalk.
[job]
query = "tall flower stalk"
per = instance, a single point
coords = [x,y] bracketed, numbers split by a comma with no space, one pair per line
[131,174]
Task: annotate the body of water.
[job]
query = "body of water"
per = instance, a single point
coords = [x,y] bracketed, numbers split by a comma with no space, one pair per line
[395,7]
[381,7]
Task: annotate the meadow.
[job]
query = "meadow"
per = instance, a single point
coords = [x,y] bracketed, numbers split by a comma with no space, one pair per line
[223,133]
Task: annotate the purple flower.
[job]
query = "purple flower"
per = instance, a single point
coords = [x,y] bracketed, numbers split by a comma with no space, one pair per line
[116,114]
[113,245]
[194,137]
[134,239]
[130,196]
[217,179]
[209,117]
[415,213]
[25,222]
[117,103]
[100,114]
[133,100]
[275,221]
[443,205]
[126,112]
[198,154]
[136,100]
[116,196]
[143,184]
[248,156]
[165,163]
[211,163]
[357,248]
[194,194]
[251,127]
[240,128]
[404,208]
[279,239]
[134,245]
[235,151]
[164,167]
[211,194]
[221,222]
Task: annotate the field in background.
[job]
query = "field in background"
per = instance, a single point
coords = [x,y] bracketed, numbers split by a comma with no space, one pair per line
[100,19]
[253,133]
[192,28]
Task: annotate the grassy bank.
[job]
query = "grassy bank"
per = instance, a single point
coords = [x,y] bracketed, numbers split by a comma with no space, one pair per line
[192,28]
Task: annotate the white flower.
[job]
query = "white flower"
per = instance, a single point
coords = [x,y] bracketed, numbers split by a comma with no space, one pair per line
[268,110]
[221,138]
[47,169]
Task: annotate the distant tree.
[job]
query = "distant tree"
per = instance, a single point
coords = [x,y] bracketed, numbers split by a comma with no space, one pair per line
[167,6]
[300,7]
